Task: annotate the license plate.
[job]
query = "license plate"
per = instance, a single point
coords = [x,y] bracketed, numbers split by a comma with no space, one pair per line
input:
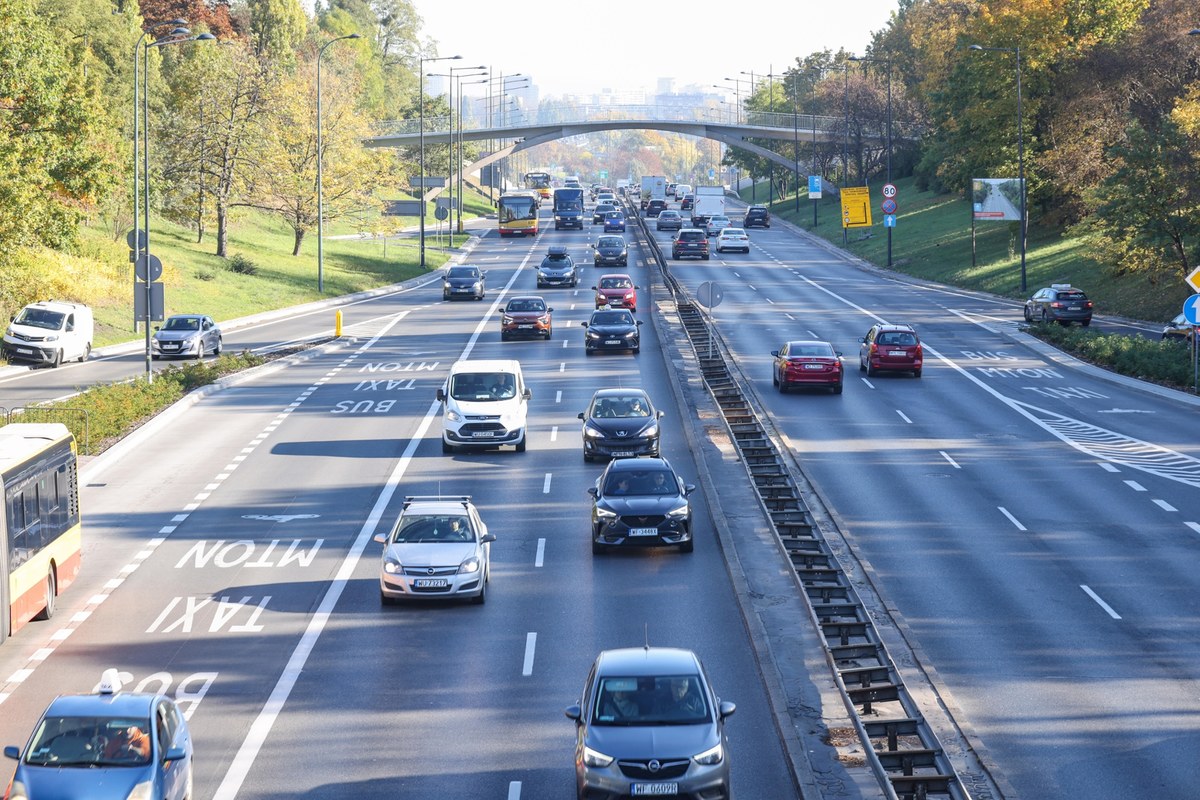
[899,353]
[523,327]
[612,341]
[483,434]
[643,531]
[430,583]
[463,291]
[25,350]
[813,366]
[650,789]
[1072,308]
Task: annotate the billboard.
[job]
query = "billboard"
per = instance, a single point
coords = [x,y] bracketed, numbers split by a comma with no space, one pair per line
[996,198]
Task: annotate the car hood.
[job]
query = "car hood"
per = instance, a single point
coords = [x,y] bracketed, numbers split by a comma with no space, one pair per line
[652,741]
[175,336]
[614,425]
[71,783]
[431,554]
[463,281]
[610,251]
[555,269]
[642,505]
[612,330]
[487,408]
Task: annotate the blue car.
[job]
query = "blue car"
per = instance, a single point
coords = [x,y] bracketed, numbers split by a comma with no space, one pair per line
[614,221]
[106,746]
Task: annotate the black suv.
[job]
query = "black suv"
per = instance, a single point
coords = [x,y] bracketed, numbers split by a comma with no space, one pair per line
[1061,303]
[654,207]
[690,242]
[757,215]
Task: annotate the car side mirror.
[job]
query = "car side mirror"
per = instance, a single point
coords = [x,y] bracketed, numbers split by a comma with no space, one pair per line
[549,310]
[572,712]
[639,322]
[12,751]
[441,395]
[688,488]
[594,289]
[661,414]
[727,709]
[594,492]
[775,353]
[380,538]
[580,415]
[863,340]
[584,324]
[528,395]
[487,537]
[175,754]
[592,246]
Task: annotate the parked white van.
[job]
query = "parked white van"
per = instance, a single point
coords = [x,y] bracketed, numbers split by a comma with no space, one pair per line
[49,332]
[484,404]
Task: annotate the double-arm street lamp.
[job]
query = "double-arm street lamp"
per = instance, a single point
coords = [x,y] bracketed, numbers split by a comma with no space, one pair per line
[887,62]
[421,104]
[141,240]
[1020,146]
[461,141]
[737,91]
[456,165]
[320,159]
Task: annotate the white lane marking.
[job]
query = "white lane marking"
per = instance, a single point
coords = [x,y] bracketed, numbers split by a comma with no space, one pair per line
[1194,526]
[1102,604]
[769,300]
[789,316]
[737,274]
[751,285]
[514,790]
[1107,467]
[562,366]
[546,483]
[540,558]
[813,335]
[244,759]
[868,383]
[558,396]
[530,644]
[906,419]
[554,433]
[1164,505]
[1011,518]
[1137,487]
[946,456]
[566,342]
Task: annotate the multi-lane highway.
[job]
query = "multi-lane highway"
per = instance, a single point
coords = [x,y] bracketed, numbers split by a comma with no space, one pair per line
[1031,524]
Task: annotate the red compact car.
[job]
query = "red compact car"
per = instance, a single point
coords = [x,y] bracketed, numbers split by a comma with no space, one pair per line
[891,348]
[526,316]
[807,363]
[616,291]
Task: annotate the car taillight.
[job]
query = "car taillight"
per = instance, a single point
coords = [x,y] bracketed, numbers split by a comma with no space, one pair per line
[1088,304]
[1057,304]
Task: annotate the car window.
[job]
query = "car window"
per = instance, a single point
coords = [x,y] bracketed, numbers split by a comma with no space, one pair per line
[182,324]
[612,318]
[526,306]
[91,740]
[433,529]
[1071,296]
[611,241]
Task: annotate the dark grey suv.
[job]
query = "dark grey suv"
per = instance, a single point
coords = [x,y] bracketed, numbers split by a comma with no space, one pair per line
[641,502]
[756,215]
[557,269]
[611,250]
[690,242]
[649,723]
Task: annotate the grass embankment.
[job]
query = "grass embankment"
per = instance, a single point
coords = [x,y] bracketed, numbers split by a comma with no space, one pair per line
[933,240]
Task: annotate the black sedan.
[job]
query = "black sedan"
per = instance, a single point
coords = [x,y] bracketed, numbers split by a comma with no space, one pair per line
[641,502]
[620,423]
[601,211]
[610,329]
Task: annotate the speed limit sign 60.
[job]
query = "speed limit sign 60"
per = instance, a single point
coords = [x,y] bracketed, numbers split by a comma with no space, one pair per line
[889,190]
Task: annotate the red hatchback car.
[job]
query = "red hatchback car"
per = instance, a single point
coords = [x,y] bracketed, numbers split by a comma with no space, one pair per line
[526,316]
[892,348]
[807,363]
[616,291]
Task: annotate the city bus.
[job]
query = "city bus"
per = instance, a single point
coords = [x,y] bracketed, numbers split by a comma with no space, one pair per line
[41,535]
[518,214]
[538,182]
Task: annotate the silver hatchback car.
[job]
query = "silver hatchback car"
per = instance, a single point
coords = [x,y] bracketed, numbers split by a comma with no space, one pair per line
[190,335]
[648,724]
[439,549]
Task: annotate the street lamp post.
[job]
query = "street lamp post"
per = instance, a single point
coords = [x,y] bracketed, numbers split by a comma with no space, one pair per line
[796,133]
[888,62]
[1020,148]
[178,35]
[320,158]
[421,105]
[461,141]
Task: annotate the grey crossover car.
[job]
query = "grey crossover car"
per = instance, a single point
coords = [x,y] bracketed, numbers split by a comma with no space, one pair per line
[190,335]
[649,724]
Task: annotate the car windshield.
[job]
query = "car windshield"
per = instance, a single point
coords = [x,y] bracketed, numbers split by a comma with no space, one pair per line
[90,742]
[430,529]
[626,407]
[557,257]
[182,324]
[898,339]
[611,241]
[643,700]
[811,351]
[463,272]
[612,318]
[616,283]
[733,232]
[642,482]
[525,306]
[40,318]
[482,387]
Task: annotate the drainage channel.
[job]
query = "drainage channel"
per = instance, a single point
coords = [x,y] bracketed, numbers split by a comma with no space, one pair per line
[903,750]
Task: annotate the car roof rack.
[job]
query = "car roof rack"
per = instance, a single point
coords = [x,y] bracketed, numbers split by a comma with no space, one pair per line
[436,498]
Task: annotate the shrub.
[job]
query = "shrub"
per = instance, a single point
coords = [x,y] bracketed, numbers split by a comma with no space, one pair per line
[205,275]
[1164,362]
[242,265]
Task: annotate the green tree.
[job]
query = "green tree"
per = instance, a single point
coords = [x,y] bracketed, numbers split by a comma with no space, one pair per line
[277,27]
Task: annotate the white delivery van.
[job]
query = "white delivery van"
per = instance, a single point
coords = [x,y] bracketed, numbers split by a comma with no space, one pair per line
[49,332]
[484,404]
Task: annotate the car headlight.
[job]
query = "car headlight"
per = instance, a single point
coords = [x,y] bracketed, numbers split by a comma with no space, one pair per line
[52,337]
[651,431]
[477,286]
[714,755]
[604,513]
[392,567]
[506,320]
[594,758]
[445,284]
[142,791]
[469,566]
[594,335]
[453,415]
[544,319]
[679,513]
[593,433]
[8,331]
[631,334]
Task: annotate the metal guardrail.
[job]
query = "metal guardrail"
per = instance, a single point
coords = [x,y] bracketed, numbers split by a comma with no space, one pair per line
[901,749]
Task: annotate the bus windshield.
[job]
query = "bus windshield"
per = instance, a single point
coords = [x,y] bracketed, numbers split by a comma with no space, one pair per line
[517,207]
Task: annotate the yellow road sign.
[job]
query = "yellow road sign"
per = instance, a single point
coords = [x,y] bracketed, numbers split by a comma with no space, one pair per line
[856,207]
[1193,279]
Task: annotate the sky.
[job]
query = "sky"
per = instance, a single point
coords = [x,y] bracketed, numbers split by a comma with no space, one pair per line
[583,47]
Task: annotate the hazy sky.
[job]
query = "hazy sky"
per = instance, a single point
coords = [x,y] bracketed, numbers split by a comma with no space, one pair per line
[582,46]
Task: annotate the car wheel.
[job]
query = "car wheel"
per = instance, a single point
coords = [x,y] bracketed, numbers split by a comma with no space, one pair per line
[862,367]
[480,598]
[782,384]
[598,549]
[217,349]
[587,458]
[503,336]
[1028,316]
[520,448]
[154,356]
[445,296]
[87,353]
[1086,323]
[549,334]
[51,597]
[871,370]
[687,547]
[705,256]
[916,373]
[57,360]
[837,389]
[384,600]
[447,447]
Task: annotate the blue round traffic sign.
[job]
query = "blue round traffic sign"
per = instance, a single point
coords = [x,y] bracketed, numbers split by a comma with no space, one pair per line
[1191,309]
[889,206]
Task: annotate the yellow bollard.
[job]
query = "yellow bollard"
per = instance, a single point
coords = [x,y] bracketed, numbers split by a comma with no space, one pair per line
[337,325]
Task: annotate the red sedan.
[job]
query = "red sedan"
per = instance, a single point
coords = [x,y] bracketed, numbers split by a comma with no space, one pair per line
[807,363]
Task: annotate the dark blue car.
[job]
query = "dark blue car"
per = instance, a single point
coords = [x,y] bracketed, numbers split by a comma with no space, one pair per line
[614,221]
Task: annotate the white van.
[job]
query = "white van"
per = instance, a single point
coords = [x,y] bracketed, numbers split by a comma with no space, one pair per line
[49,332]
[484,404]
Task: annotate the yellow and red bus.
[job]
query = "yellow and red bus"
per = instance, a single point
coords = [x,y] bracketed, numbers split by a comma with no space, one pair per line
[518,214]
[41,535]
[538,182]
